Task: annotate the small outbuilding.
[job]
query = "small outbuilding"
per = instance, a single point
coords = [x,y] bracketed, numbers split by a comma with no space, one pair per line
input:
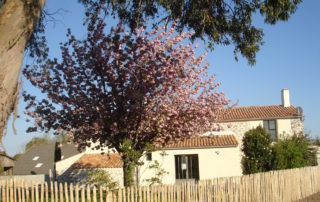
[7,164]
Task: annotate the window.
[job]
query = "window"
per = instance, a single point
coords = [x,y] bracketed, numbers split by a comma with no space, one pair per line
[271,128]
[149,156]
[187,167]
[35,158]
[39,165]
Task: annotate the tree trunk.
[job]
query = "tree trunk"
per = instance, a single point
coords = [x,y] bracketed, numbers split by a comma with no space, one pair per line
[17,21]
[128,173]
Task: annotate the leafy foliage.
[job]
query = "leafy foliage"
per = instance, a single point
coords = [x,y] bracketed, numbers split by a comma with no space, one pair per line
[100,177]
[257,151]
[17,156]
[292,152]
[220,22]
[38,141]
[159,172]
[260,155]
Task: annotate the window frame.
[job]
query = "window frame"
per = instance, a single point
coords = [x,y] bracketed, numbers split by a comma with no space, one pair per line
[149,156]
[268,130]
[191,171]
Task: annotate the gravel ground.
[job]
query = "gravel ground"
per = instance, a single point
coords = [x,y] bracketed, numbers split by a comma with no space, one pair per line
[312,198]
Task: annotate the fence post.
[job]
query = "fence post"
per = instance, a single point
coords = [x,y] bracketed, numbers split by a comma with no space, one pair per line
[100,193]
[66,195]
[88,194]
[94,194]
[77,192]
[119,195]
[46,191]
[61,191]
[51,192]
[41,192]
[18,187]
[136,193]
[82,193]
[140,194]
[36,189]
[56,191]
[71,192]
[27,193]
[23,191]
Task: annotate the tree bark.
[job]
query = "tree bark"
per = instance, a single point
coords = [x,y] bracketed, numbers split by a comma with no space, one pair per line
[17,21]
[128,173]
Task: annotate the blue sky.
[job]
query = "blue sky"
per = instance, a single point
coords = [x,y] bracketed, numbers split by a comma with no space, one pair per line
[289,58]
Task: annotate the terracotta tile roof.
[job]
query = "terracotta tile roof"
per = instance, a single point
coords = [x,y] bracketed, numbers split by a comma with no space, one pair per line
[204,142]
[98,161]
[88,161]
[258,112]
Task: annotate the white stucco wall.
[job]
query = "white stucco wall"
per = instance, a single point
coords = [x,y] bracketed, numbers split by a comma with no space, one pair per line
[213,162]
[63,165]
[81,175]
[285,127]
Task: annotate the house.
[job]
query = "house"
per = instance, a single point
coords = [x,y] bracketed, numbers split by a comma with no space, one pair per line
[69,154]
[195,158]
[279,120]
[210,155]
[38,160]
[7,164]
[78,171]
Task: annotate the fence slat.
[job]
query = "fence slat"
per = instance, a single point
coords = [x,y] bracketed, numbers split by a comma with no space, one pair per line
[46,191]
[27,193]
[41,192]
[100,194]
[94,194]
[23,196]
[61,192]
[88,194]
[77,193]
[51,192]
[32,192]
[56,192]
[36,189]
[71,192]
[83,197]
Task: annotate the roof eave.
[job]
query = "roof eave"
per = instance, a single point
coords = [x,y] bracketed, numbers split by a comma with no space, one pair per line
[205,147]
[258,119]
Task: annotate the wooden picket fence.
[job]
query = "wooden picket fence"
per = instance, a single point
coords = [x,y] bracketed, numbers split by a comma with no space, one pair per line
[284,185]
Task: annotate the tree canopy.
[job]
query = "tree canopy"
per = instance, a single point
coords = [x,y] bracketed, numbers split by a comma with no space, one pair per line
[216,21]
[125,89]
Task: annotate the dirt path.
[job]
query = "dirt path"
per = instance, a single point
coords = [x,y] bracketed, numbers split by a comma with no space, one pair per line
[312,198]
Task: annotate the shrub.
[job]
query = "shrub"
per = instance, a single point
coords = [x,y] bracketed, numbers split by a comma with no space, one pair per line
[293,152]
[257,151]
[159,172]
[100,177]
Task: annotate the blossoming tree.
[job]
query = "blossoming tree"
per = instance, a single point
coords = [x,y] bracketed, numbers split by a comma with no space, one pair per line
[125,90]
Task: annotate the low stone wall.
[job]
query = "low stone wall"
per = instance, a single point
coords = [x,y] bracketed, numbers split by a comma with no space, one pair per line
[28,179]
[80,175]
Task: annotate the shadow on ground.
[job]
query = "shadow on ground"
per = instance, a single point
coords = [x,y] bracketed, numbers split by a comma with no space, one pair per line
[312,198]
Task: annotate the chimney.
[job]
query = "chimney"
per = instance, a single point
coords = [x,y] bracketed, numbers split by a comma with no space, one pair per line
[285,97]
